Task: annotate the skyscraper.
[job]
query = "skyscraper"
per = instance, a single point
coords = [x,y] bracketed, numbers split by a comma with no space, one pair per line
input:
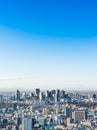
[17,94]
[27,123]
[37,91]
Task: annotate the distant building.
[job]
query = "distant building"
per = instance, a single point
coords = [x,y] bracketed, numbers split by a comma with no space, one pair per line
[0,118]
[27,123]
[94,96]
[37,92]
[62,94]
[48,94]
[79,116]
[42,121]
[41,96]
[18,94]
[55,120]
[53,91]
[14,106]
[68,121]
[1,98]
[68,112]
[57,95]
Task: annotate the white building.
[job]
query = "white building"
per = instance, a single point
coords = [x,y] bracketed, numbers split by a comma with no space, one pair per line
[27,123]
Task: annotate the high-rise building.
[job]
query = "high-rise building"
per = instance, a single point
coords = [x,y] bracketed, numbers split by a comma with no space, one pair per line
[14,106]
[53,91]
[48,94]
[94,96]
[62,94]
[27,123]
[37,92]
[41,96]
[57,95]
[68,112]
[18,94]
[1,98]
[56,98]
[0,119]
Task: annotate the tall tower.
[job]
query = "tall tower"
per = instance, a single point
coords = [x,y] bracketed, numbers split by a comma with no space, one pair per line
[68,112]
[1,98]
[37,91]
[18,94]
[57,95]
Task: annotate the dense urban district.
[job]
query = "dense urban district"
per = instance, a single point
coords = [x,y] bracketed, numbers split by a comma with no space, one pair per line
[48,110]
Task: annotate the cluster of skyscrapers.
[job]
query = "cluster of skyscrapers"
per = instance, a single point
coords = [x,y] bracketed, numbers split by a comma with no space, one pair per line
[48,110]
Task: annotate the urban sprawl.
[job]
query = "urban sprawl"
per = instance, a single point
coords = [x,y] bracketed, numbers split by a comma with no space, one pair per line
[48,110]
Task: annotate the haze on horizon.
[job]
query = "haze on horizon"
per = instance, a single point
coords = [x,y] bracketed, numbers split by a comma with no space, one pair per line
[49,44]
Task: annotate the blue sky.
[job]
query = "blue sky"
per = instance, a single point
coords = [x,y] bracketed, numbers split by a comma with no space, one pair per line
[48,43]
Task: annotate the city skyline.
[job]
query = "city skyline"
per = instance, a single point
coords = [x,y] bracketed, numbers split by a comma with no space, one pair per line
[49,44]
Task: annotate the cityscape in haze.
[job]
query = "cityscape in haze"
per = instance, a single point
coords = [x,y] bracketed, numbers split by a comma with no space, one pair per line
[48,64]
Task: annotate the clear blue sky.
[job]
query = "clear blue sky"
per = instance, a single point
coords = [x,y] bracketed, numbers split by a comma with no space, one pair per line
[49,43]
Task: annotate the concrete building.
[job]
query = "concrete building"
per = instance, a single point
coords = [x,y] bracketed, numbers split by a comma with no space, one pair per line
[18,94]
[27,123]
[79,116]
[1,98]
